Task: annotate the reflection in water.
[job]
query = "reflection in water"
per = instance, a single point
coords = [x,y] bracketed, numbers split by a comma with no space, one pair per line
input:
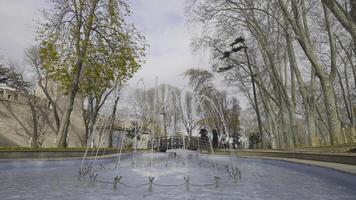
[261,179]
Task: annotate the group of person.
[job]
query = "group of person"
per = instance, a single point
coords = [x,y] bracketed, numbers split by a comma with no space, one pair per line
[219,140]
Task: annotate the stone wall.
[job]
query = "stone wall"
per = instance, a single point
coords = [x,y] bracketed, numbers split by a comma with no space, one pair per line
[16,121]
[343,158]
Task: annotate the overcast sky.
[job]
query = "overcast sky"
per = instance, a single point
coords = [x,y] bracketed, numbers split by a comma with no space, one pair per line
[17,25]
[162,22]
[169,55]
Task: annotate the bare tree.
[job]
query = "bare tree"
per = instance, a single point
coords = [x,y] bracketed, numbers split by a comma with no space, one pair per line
[32,57]
[286,38]
[23,87]
[186,106]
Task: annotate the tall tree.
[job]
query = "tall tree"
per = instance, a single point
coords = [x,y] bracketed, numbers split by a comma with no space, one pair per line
[24,88]
[345,16]
[80,36]
[32,57]
[186,108]
[293,55]
[300,27]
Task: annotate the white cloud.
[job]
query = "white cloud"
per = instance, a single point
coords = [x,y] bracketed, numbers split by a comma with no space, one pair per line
[17,25]
[169,54]
[161,21]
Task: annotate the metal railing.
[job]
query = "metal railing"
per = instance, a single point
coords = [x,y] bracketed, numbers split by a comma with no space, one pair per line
[164,143]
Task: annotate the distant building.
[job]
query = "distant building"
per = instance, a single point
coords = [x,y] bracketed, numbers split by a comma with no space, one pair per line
[8,93]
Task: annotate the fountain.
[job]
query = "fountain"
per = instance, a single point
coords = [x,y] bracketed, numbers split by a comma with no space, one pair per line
[177,161]
[179,173]
[197,179]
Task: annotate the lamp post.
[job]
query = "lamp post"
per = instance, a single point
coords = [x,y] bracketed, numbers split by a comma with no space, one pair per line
[227,54]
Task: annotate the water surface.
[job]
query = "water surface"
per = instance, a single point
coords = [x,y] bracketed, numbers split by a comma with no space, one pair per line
[261,179]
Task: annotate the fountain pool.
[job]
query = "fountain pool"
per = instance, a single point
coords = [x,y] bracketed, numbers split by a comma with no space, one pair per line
[260,179]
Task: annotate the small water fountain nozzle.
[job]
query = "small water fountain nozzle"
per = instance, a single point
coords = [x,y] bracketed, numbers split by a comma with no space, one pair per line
[216,178]
[116,181]
[150,183]
[186,178]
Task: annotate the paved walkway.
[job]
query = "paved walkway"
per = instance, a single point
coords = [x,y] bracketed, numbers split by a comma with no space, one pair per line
[344,162]
[351,169]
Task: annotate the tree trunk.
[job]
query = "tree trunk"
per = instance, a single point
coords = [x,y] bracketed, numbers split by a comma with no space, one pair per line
[35,143]
[65,121]
[113,117]
[51,101]
[81,46]
[293,125]
[347,21]
[63,129]
[270,117]
[311,107]
[92,122]
[259,121]
[283,127]
[307,101]
[331,111]
[326,84]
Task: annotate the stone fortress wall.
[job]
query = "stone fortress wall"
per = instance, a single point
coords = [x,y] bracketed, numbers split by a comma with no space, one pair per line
[16,120]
